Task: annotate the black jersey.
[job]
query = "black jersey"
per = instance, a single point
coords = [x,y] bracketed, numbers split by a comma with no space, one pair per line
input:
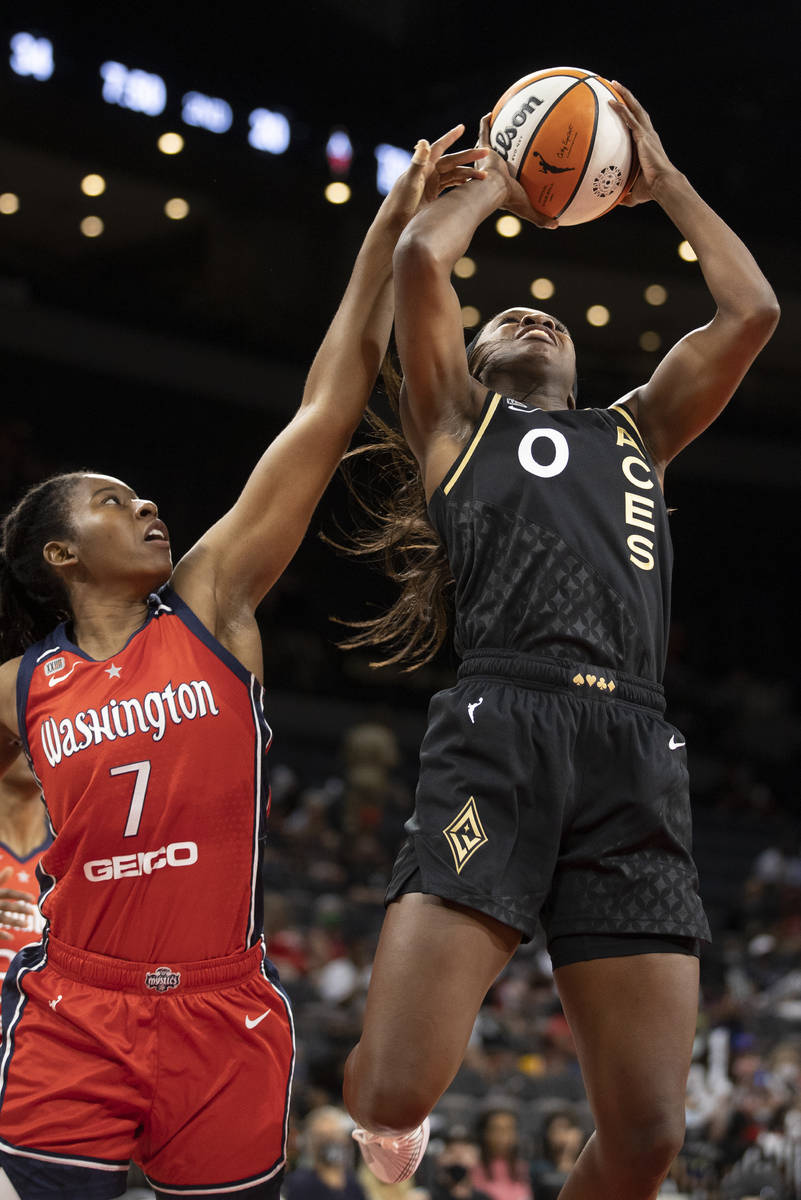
[557,535]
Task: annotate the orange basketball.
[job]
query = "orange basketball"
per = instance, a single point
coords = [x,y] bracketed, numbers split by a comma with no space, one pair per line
[573,154]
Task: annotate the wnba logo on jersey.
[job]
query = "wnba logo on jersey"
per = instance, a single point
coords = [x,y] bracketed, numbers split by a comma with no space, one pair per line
[121,718]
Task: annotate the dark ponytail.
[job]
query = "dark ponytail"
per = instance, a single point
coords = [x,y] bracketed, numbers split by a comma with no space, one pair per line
[398,535]
[32,597]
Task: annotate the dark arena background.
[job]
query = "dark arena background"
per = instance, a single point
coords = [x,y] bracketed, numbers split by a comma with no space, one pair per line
[157,323]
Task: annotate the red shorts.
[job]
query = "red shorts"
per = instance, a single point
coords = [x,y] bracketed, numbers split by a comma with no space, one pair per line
[184,1069]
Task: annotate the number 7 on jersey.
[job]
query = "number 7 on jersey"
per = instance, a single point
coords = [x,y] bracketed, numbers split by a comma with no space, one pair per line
[142,770]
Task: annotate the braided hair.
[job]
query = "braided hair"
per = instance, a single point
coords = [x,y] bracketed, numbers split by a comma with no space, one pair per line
[33,599]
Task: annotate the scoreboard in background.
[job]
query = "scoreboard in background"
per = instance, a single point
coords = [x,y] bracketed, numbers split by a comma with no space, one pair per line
[268,130]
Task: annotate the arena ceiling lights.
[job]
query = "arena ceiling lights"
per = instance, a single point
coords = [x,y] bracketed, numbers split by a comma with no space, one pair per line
[146,92]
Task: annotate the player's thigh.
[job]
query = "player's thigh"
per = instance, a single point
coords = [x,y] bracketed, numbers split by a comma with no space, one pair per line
[262,1191]
[434,964]
[75,1081]
[31,1179]
[633,1020]
[219,1117]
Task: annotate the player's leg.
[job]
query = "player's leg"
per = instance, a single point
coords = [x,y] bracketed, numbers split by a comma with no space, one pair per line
[31,1179]
[633,1020]
[7,1189]
[218,1122]
[271,1190]
[434,964]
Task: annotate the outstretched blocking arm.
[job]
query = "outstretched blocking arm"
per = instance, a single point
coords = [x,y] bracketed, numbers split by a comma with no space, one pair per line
[700,374]
[226,574]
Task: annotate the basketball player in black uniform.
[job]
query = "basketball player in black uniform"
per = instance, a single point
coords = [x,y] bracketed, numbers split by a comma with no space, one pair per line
[550,785]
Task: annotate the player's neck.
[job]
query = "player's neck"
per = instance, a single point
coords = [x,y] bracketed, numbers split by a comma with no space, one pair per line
[22,824]
[101,625]
[542,394]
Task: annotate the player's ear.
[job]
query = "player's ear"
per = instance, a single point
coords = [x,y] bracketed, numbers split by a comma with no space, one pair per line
[58,554]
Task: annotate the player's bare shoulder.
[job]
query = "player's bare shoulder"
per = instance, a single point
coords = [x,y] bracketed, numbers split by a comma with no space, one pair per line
[8,696]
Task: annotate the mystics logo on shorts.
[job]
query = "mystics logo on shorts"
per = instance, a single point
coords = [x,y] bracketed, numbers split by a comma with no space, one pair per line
[162,979]
[465,834]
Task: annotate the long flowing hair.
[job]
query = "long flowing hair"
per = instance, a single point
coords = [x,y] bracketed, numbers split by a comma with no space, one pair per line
[399,537]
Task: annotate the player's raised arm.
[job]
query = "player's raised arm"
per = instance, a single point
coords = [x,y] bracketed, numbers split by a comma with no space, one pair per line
[241,556]
[428,323]
[699,375]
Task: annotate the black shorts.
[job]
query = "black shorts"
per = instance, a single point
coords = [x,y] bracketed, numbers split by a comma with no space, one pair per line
[543,794]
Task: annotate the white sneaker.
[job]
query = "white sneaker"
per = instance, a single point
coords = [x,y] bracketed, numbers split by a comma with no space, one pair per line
[393,1158]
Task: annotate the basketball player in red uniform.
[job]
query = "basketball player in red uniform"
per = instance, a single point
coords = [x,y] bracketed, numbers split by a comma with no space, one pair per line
[550,786]
[147,1024]
[24,837]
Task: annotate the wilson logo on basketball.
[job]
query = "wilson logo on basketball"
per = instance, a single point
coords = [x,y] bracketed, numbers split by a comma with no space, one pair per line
[504,139]
[162,979]
[558,134]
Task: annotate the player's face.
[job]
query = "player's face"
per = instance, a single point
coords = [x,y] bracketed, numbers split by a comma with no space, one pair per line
[117,534]
[526,342]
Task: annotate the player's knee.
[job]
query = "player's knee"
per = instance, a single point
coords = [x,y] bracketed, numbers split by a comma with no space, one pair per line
[378,1097]
[655,1147]
[395,1108]
[648,1143]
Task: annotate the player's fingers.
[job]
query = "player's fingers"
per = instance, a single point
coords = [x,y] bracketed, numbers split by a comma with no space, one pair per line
[10,921]
[4,874]
[446,141]
[458,176]
[422,153]
[631,100]
[624,113]
[459,157]
[484,130]
[11,899]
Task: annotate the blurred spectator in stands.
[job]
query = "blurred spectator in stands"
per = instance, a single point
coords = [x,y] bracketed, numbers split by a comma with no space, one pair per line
[755,1179]
[375,801]
[286,945]
[562,1139]
[451,1176]
[327,1159]
[502,1172]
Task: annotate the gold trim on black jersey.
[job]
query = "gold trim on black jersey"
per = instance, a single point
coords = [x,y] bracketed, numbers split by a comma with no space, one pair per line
[496,399]
[620,407]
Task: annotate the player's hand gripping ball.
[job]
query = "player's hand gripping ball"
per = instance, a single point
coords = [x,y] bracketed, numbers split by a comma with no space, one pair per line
[561,140]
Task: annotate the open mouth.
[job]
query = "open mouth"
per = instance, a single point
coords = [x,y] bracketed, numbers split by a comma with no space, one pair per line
[157,533]
[539,332]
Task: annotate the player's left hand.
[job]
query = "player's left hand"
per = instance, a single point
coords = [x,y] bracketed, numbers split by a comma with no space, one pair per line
[653,161]
[16,908]
[516,201]
[430,172]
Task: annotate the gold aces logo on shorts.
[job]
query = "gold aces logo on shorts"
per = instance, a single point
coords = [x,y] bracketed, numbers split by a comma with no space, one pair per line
[465,834]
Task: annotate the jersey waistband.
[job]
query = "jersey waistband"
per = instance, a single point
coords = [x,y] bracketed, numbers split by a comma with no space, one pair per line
[154,979]
[587,680]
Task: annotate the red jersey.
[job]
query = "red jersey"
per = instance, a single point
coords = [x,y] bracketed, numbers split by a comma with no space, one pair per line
[152,767]
[22,879]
